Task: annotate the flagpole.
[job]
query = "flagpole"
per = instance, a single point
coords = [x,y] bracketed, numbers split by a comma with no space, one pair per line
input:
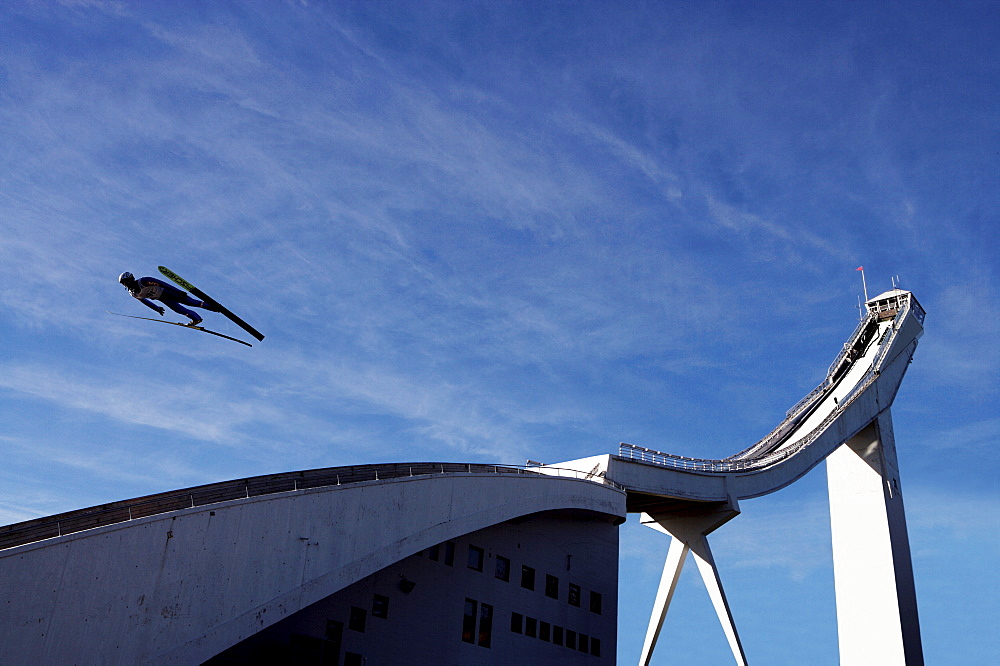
[863,283]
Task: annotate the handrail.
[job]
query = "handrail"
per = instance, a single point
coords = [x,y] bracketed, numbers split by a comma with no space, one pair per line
[742,462]
[774,437]
[70,522]
[724,466]
[849,344]
[806,401]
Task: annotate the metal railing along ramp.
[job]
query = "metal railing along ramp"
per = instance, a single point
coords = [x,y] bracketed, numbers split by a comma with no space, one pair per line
[860,384]
[122,511]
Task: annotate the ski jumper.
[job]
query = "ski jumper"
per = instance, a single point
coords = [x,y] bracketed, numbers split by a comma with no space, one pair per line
[150,288]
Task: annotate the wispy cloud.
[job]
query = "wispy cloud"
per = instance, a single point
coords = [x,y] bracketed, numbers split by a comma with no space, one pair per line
[935,516]
[627,153]
[187,410]
[763,233]
[971,437]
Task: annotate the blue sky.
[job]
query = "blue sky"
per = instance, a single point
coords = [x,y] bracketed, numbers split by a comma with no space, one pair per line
[490,232]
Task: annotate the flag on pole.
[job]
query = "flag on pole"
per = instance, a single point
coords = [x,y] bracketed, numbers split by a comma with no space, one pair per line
[860,268]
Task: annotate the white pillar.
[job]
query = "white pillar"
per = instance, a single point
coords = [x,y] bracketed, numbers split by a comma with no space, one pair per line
[664,594]
[689,526]
[873,575]
[710,575]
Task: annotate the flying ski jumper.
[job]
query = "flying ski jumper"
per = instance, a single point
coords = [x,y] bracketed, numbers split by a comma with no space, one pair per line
[148,289]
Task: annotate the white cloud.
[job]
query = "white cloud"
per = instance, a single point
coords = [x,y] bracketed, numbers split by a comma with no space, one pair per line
[937,517]
[628,153]
[792,240]
[189,410]
[982,435]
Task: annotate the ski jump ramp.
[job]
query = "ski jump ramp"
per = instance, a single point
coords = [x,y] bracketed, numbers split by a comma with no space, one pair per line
[176,577]
[845,421]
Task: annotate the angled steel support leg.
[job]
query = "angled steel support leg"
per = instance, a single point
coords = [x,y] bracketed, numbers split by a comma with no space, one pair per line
[873,575]
[689,524]
[668,583]
[710,574]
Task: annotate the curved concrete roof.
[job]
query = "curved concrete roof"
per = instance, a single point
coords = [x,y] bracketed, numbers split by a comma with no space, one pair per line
[187,584]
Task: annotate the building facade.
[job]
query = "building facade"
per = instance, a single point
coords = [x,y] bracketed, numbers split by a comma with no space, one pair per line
[537,589]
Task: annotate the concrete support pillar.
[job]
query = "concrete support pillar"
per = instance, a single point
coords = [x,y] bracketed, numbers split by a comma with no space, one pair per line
[689,525]
[873,575]
[664,594]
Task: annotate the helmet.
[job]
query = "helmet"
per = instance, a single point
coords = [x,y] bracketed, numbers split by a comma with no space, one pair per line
[126,277]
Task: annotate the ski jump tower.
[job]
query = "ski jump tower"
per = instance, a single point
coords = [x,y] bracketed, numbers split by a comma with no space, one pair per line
[844,421]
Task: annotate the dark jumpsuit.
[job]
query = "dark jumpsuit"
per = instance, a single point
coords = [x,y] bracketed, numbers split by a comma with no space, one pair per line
[169,295]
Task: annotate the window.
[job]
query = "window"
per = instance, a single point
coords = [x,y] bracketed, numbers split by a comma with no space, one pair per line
[544,630]
[595,647]
[582,643]
[485,625]
[434,552]
[469,622]
[551,586]
[557,634]
[530,626]
[358,617]
[334,634]
[574,595]
[595,602]
[475,558]
[527,577]
[571,639]
[380,606]
[449,553]
[503,568]
[516,623]
[353,659]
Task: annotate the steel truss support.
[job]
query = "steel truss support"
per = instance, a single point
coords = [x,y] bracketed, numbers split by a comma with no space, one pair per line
[873,575]
[690,524]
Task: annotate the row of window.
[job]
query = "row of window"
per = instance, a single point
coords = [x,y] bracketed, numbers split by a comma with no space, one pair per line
[534,628]
[476,561]
[551,585]
[484,615]
[477,627]
[434,553]
[359,616]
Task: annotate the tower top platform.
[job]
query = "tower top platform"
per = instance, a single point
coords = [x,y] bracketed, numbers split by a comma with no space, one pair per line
[887,304]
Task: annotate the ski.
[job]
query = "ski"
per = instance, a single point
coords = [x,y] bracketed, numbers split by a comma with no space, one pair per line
[175,323]
[205,297]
